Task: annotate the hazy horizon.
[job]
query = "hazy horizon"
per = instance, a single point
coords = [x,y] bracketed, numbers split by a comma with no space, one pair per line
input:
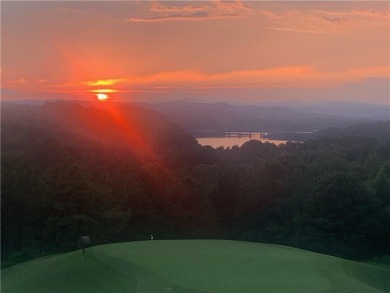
[217,51]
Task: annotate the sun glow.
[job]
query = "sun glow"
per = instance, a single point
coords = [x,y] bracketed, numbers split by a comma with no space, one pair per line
[102,97]
[103,91]
[102,94]
[103,82]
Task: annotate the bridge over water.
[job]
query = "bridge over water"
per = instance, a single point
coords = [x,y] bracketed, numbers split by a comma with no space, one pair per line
[249,134]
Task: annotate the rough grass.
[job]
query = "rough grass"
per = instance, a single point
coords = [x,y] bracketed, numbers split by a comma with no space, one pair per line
[194,266]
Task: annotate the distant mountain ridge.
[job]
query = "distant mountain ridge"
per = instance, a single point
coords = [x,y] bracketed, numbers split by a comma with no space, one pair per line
[200,119]
[341,108]
[214,119]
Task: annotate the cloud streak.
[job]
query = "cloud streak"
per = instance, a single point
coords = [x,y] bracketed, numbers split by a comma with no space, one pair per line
[104,82]
[67,9]
[295,30]
[19,81]
[372,13]
[334,19]
[199,15]
[215,10]
[316,21]
[301,76]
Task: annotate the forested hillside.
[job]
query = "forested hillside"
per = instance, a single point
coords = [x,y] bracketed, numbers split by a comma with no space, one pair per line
[379,131]
[124,173]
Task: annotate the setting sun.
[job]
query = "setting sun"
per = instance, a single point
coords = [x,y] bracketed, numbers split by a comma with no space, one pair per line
[102,97]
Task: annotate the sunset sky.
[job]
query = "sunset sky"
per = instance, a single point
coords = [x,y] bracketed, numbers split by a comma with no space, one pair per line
[208,51]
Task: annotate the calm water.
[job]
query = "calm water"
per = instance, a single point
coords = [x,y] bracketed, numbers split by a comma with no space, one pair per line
[232,141]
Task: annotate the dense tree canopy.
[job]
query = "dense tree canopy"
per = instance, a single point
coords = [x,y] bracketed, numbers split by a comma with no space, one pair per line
[68,170]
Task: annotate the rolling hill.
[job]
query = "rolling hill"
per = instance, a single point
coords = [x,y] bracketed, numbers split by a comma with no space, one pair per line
[194,266]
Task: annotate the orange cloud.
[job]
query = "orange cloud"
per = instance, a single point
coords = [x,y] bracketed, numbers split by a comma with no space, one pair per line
[372,13]
[173,17]
[103,82]
[324,21]
[298,76]
[159,7]
[334,19]
[104,91]
[303,76]
[19,81]
[305,31]
[216,9]
[232,5]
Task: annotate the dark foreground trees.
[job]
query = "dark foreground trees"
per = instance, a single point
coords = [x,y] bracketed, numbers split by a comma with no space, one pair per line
[62,178]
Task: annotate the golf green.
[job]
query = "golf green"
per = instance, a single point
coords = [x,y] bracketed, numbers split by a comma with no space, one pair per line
[194,266]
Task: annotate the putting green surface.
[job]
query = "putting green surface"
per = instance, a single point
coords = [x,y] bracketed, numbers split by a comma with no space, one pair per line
[194,266]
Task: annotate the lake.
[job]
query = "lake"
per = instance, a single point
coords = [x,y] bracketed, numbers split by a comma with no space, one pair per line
[227,141]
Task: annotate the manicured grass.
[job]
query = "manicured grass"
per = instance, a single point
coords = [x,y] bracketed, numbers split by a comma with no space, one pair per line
[194,266]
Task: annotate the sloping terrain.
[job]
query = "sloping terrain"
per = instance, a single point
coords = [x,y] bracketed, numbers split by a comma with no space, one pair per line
[194,266]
